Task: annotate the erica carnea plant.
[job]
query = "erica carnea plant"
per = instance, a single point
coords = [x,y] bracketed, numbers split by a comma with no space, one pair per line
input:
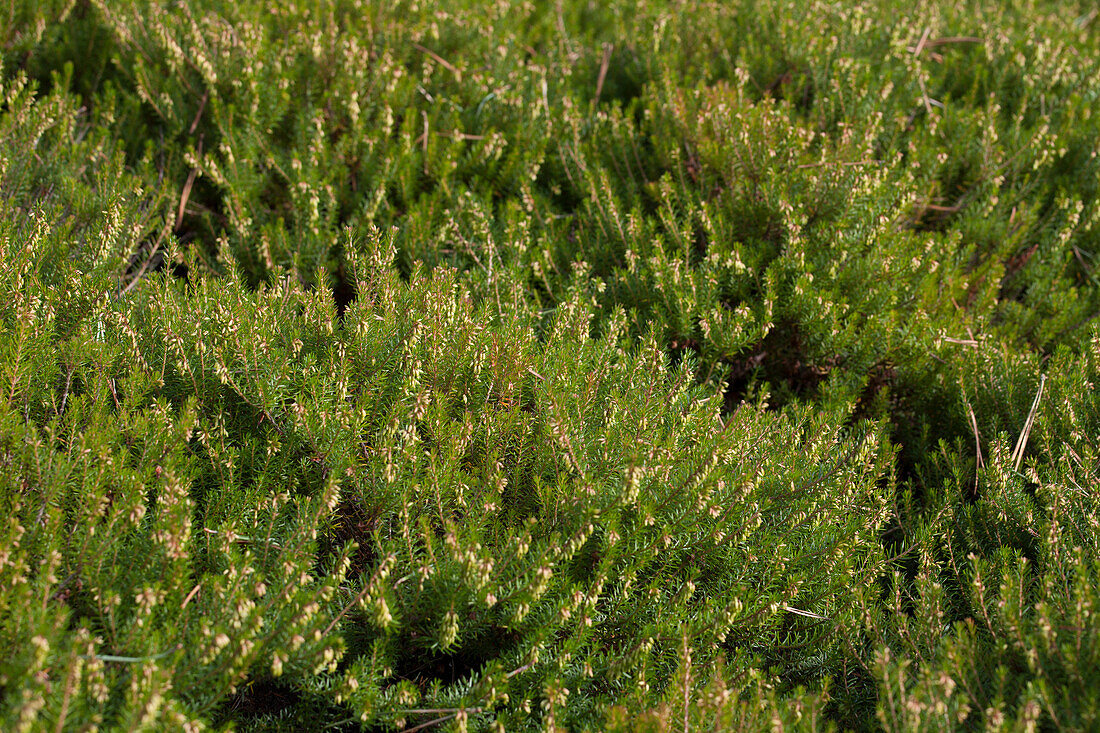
[560,366]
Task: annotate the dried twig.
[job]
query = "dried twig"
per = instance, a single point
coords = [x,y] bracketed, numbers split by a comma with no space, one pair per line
[929,103]
[192,594]
[977,445]
[198,115]
[952,39]
[844,163]
[807,614]
[920,44]
[132,660]
[455,135]
[451,713]
[186,193]
[1021,442]
[926,42]
[243,539]
[440,60]
[608,48]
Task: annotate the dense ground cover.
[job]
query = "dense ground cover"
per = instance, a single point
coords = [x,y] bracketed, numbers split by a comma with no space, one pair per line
[582,366]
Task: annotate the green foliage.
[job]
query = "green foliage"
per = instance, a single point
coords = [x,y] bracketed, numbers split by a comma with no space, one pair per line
[595,366]
[997,627]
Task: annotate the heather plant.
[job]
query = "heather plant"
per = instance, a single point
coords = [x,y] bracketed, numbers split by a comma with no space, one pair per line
[606,366]
[997,627]
[404,515]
